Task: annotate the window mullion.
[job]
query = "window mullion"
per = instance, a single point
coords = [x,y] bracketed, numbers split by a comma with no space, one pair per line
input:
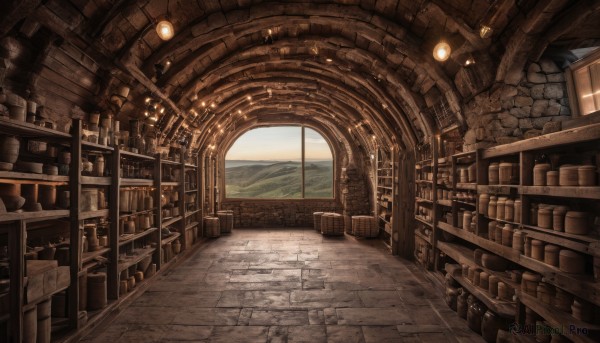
[302,165]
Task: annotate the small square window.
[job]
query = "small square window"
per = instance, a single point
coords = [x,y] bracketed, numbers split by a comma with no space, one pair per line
[585,84]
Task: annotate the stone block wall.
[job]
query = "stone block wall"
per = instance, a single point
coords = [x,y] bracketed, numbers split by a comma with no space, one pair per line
[272,213]
[355,195]
[506,113]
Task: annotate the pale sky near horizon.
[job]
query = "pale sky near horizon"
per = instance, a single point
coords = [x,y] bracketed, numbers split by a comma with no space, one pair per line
[281,143]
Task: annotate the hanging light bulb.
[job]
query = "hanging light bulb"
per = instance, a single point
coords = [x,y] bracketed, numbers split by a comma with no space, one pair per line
[442,51]
[485,31]
[165,30]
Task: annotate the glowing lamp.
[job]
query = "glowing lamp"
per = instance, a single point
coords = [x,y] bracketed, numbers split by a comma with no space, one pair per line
[442,51]
[165,30]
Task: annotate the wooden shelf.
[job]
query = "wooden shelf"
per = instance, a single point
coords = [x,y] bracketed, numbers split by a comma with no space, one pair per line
[465,203]
[466,186]
[383,218]
[191,225]
[171,221]
[427,161]
[417,199]
[94,214]
[135,213]
[557,318]
[96,180]
[132,237]
[174,163]
[131,260]
[504,251]
[31,304]
[424,181]
[95,146]
[129,154]
[137,182]
[90,255]
[551,140]
[7,176]
[24,129]
[190,166]
[501,307]
[170,183]
[34,216]
[191,190]
[422,220]
[444,202]
[584,244]
[563,191]
[187,214]
[423,236]
[170,239]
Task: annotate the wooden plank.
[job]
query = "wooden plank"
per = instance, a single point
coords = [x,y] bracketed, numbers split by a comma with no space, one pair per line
[130,238]
[93,214]
[6,176]
[171,238]
[17,243]
[129,154]
[557,318]
[24,129]
[158,256]
[96,181]
[76,227]
[137,182]
[170,183]
[563,191]
[112,273]
[129,261]
[90,255]
[556,139]
[94,146]
[503,308]
[466,186]
[583,247]
[33,216]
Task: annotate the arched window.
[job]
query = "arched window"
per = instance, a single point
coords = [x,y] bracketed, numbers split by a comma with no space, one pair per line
[279,162]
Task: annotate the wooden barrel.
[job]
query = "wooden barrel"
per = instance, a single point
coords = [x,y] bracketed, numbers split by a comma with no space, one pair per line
[365,226]
[212,227]
[225,221]
[317,220]
[96,291]
[332,224]
[9,149]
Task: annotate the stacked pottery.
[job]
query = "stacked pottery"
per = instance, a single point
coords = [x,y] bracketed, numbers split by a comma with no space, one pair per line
[17,107]
[9,152]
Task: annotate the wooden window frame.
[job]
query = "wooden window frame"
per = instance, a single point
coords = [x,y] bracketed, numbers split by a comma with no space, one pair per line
[572,90]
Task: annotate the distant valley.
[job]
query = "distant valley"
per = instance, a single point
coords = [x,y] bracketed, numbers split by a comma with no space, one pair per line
[277,180]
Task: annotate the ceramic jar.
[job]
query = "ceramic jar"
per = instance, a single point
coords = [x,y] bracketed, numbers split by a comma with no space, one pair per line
[507,235]
[539,174]
[494,174]
[493,285]
[484,200]
[475,316]
[544,218]
[500,208]
[505,173]
[552,178]
[9,149]
[568,175]
[492,207]
[492,230]
[537,250]
[571,262]
[551,254]
[518,240]
[509,210]
[577,223]
[462,304]
[545,293]
[558,218]
[582,310]
[586,175]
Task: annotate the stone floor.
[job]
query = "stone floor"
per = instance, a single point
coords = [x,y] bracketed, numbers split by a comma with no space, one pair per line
[289,285]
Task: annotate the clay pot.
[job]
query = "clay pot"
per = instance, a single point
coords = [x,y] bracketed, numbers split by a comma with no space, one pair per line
[17,113]
[517,211]
[552,178]
[491,323]
[558,218]
[13,202]
[568,175]
[9,149]
[64,157]
[545,217]
[539,174]
[505,173]
[484,200]
[493,173]
[139,277]
[475,316]
[130,226]
[577,223]
[89,199]
[462,305]
[50,169]
[537,250]
[97,298]
[551,253]
[582,310]
[37,147]
[99,166]
[30,167]
[47,196]
[587,175]
[494,262]
[571,262]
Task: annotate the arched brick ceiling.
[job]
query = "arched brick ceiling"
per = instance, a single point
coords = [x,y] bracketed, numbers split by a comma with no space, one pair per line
[344,63]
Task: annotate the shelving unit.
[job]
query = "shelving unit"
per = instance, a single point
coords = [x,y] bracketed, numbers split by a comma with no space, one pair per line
[386,192]
[120,254]
[425,198]
[454,242]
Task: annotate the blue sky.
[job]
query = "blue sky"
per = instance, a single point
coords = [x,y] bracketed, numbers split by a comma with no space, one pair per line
[281,143]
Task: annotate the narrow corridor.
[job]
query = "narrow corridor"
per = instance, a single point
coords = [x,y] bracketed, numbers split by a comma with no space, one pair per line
[289,285]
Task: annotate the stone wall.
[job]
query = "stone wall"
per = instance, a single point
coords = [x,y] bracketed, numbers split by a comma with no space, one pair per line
[355,195]
[506,113]
[271,213]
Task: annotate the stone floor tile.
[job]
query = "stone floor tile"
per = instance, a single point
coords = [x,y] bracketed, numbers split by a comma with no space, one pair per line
[344,334]
[206,316]
[277,317]
[378,334]
[307,334]
[246,334]
[372,316]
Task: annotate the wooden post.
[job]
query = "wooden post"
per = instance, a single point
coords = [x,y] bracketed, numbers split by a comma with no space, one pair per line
[182,194]
[76,228]
[405,204]
[157,195]
[114,215]
[17,241]
[199,194]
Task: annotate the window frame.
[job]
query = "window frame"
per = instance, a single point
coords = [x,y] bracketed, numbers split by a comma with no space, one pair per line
[334,197]
[572,89]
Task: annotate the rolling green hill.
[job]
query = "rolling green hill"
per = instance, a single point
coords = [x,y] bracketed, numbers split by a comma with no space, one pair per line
[279,180]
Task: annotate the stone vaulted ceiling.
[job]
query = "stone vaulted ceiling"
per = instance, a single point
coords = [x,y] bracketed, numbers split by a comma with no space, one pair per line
[359,70]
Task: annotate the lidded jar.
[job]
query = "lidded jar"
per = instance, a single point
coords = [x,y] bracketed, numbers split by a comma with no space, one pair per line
[484,201]
[545,217]
[494,173]
[509,210]
[539,174]
[517,211]
[537,250]
[500,207]
[492,207]
[518,240]
[507,235]
[558,218]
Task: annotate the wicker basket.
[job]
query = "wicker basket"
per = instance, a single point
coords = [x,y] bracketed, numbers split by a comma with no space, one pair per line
[332,224]
[225,220]
[317,220]
[212,227]
[364,226]
[348,224]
